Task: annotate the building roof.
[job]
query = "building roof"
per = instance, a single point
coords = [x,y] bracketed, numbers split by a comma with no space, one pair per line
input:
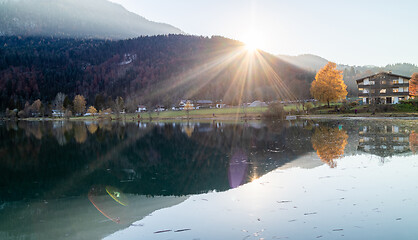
[204,101]
[386,73]
[258,104]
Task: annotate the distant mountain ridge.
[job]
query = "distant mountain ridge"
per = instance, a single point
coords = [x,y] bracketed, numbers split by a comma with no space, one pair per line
[306,61]
[75,18]
[313,63]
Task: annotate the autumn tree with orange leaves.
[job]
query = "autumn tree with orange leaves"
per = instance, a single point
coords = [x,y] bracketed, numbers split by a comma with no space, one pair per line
[328,84]
[413,86]
[329,144]
[79,104]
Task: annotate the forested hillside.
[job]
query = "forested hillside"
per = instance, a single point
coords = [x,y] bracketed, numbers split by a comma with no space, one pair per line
[144,70]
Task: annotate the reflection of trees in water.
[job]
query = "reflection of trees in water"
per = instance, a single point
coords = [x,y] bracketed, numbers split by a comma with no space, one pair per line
[92,128]
[105,125]
[188,130]
[32,128]
[58,130]
[80,133]
[329,144]
[413,142]
[158,160]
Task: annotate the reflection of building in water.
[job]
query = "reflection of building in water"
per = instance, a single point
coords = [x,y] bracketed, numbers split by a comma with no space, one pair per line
[384,140]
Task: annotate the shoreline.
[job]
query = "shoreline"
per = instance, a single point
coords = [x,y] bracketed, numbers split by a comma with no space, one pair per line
[229,117]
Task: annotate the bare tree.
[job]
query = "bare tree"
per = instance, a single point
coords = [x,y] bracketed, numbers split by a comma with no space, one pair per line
[119,106]
[59,101]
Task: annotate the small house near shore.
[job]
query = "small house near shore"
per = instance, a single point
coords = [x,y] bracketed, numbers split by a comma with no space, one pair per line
[141,108]
[57,113]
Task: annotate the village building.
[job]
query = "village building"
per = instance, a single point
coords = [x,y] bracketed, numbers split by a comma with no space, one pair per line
[141,108]
[383,88]
[257,104]
[204,104]
[220,105]
[188,103]
[57,113]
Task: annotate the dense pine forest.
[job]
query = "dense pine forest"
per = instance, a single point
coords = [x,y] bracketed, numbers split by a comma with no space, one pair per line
[145,70]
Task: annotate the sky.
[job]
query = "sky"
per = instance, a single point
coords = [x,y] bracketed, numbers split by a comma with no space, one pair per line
[354,32]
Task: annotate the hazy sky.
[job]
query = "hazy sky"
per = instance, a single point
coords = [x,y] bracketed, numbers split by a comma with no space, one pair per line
[355,32]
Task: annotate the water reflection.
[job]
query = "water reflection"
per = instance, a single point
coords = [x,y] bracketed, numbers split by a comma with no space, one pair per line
[385,139]
[360,199]
[60,159]
[413,142]
[329,144]
[238,166]
[113,171]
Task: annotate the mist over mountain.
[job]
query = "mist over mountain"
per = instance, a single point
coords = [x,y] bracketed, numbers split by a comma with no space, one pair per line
[309,62]
[145,70]
[313,63]
[75,18]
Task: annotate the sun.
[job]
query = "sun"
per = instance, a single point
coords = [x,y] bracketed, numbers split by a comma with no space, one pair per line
[250,46]
[252,43]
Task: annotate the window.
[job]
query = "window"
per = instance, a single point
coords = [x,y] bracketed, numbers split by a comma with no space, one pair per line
[383,82]
[403,89]
[383,90]
[396,81]
[373,91]
[371,82]
[395,90]
[361,89]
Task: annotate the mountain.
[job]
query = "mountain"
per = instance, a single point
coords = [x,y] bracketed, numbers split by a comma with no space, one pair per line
[313,63]
[146,70]
[75,18]
[309,62]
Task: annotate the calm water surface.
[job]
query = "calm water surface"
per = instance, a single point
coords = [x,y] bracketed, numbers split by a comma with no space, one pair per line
[319,179]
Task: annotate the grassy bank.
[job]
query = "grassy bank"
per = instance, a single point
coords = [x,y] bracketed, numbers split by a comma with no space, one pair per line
[222,113]
[336,110]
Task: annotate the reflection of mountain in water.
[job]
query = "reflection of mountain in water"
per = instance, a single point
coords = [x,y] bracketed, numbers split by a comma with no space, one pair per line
[59,159]
[75,218]
[51,159]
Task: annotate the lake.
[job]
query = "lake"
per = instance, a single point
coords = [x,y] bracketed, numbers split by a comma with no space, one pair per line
[310,179]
